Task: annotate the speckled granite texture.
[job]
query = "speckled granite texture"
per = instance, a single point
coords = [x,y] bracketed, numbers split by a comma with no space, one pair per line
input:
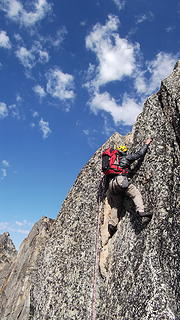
[15,285]
[142,265]
[79,273]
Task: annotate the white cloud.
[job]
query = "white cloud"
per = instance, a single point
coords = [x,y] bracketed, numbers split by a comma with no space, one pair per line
[35,114]
[40,91]
[12,227]
[117,59]
[19,98]
[4,40]
[16,11]
[60,85]
[54,40]
[14,111]
[18,37]
[23,223]
[158,69]
[116,56]
[11,111]
[44,127]
[59,37]
[144,17]
[108,129]
[26,57]
[86,132]
[119,3]
[4,169]
[3,110]
[5,163]
[3,173]
[170,29]
[83,23]
[127,112]
[29,58]
[43,56]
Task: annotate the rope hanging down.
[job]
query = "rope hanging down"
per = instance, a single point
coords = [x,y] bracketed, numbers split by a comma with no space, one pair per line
[96,265]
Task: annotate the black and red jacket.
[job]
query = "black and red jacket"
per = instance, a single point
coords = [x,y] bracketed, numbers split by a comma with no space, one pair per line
[115,162]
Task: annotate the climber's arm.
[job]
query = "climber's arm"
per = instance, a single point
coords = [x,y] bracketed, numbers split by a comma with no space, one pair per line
[140,153]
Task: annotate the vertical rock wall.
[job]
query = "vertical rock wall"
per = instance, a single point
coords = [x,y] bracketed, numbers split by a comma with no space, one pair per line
[143,264]
[136,276]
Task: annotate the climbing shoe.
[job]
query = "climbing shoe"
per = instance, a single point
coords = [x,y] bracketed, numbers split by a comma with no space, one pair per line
[111,229]
[146,217]
[144,214]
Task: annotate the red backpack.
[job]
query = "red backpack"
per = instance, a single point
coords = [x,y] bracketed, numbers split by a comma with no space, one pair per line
[111,160]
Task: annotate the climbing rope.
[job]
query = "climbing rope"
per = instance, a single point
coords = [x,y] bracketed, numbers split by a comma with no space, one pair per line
[96,265]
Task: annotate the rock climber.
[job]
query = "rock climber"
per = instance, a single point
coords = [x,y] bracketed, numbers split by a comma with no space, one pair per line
[116,165]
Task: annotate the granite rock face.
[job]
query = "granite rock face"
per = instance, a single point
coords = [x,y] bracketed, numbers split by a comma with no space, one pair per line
[16,284]
[77,271]
[7,255]
[134,275]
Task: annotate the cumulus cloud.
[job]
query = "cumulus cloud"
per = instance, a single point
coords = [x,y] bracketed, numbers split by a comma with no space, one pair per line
[30,57]
[60,85]
[117,60]
[116,56]
[39,91]
[127,112]
[157,69]
[4,40]
[3,110]
[26,57]
[57,39]
[43,56]
[16,11]
[11,111]
[44,128]
[119,3]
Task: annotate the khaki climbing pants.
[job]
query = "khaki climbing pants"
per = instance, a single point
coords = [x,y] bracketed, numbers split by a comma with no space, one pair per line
[115,198]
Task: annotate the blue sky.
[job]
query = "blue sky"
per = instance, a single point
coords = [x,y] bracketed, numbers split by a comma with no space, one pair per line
[71,73]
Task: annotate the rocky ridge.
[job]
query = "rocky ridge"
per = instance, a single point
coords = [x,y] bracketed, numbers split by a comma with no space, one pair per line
[17,281]
[77,272]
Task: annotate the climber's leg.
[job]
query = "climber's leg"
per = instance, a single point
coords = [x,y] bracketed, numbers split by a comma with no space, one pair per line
[134,193]
[115,202]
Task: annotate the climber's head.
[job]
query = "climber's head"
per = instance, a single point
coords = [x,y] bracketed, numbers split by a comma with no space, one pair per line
[122,149]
